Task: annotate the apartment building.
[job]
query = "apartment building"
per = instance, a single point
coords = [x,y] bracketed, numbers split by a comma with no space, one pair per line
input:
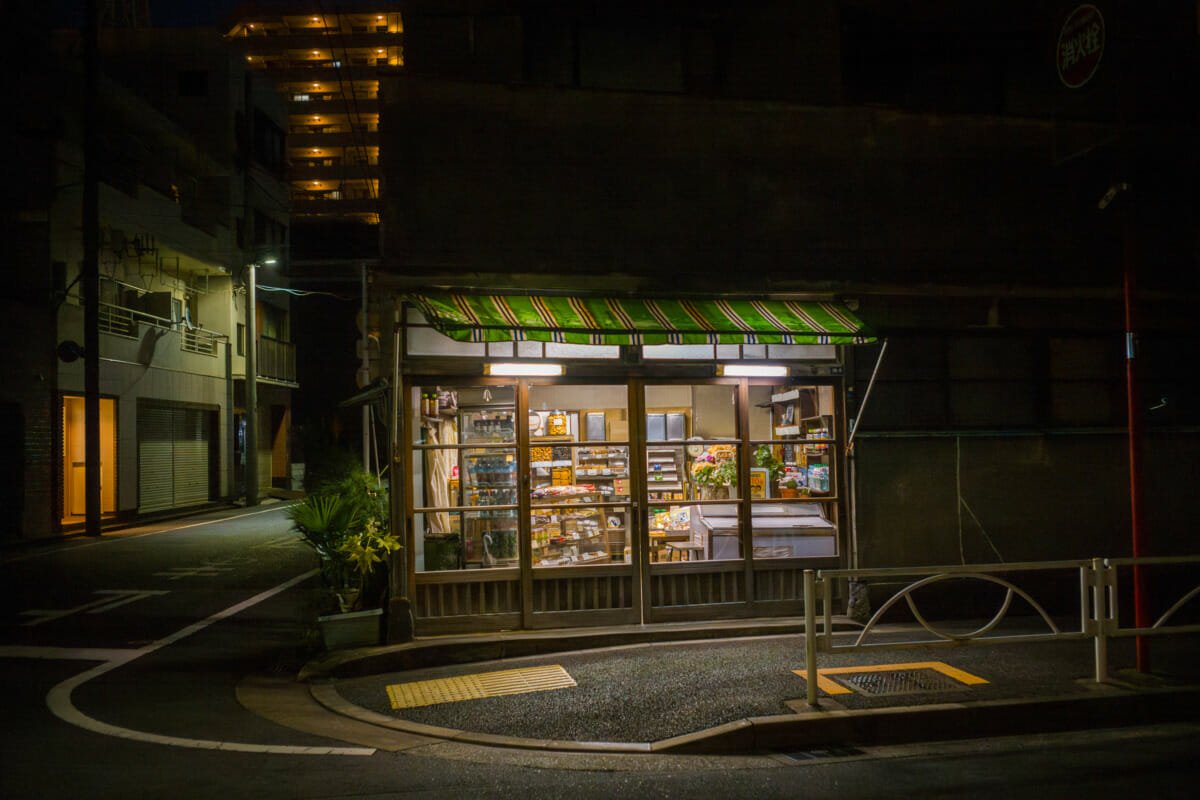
[324,60]
[191,193]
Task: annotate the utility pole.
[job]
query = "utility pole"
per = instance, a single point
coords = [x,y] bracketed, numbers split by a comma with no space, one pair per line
[91,268]
[251,450]
[365,376]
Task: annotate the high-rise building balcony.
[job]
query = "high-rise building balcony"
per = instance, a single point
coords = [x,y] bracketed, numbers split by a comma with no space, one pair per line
[345,171]
[326,206]
[331,104]
[331,138]
[268,45]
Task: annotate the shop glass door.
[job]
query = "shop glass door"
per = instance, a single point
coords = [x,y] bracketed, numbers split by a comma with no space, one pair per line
[580,504]
[693,464]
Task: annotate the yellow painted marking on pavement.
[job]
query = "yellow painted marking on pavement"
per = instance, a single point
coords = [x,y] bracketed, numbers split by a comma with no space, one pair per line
[474,687]
[832,687]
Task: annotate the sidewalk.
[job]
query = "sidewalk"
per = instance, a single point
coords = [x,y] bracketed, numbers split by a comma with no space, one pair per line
[730,687]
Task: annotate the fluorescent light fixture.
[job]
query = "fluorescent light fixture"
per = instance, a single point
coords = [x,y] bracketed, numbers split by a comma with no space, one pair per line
[753,370]
[522,368]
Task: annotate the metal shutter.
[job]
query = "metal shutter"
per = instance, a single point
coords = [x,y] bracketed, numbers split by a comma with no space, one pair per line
[191,457]
[155,449]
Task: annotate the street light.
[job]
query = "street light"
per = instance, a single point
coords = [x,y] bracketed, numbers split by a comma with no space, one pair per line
[251,345]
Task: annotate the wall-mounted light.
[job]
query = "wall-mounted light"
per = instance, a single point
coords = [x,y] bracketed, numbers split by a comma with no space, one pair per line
[539,368]
[752,370]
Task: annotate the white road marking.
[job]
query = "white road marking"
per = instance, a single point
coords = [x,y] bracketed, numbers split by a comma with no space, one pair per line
[202,571]
[95,607]
[126,537]
[279,543]
[65,653]
[59,698]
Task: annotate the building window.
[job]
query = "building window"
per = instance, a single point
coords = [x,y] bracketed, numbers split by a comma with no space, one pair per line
[300,98]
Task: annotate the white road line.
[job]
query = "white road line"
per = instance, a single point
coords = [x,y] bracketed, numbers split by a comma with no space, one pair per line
[122,597]
[65,653]
[59,698]
[116,537]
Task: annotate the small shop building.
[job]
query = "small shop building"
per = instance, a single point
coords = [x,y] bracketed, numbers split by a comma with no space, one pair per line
[587,460]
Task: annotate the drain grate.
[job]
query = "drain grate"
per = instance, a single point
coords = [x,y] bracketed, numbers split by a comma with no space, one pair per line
[907,681]
[823,752]
[877,679]
[474,687]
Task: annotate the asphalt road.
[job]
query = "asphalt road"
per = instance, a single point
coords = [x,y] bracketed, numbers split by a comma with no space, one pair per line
[120,660]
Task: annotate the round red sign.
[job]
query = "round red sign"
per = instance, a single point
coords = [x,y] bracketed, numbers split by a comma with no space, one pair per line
[1080,46]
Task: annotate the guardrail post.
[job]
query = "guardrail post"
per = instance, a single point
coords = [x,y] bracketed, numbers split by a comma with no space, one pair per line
[810,635]
[1100,616]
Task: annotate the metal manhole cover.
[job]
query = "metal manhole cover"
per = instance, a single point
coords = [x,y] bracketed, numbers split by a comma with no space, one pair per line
[907,681]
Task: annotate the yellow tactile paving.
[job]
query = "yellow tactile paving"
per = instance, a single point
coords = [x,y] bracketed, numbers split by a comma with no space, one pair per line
[832,687]
[473,687]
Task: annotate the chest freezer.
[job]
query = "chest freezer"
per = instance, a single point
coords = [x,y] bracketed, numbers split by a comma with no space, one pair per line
[781,530]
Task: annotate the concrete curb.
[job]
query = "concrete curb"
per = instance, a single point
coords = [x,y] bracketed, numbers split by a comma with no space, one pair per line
[442,651]
[1111,705]
[831,726]
[941,722]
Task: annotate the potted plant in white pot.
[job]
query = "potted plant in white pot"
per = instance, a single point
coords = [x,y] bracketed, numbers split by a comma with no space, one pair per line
[346,524]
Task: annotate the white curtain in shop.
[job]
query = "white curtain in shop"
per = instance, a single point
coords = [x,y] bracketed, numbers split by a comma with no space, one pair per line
[439,466]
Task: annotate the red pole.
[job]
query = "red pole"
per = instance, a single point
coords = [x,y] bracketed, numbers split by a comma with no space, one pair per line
[1140,611]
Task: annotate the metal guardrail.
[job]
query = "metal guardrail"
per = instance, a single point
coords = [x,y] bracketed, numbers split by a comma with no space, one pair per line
[1098,611]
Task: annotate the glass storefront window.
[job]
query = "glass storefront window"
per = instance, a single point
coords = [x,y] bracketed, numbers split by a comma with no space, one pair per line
[692,468]
[465,457]
[792,486]
[469,477]
[579,475]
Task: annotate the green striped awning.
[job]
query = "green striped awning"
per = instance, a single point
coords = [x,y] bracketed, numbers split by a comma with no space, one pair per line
[614,321]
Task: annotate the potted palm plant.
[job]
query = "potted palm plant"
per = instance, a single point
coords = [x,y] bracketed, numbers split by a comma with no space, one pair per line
[346,525]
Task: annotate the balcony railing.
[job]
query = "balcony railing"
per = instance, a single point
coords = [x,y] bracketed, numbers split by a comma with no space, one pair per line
[121,321]
[197,340]
[276,360]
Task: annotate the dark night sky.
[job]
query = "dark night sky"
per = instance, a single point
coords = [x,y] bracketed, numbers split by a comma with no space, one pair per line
[172,13]
[163,13]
